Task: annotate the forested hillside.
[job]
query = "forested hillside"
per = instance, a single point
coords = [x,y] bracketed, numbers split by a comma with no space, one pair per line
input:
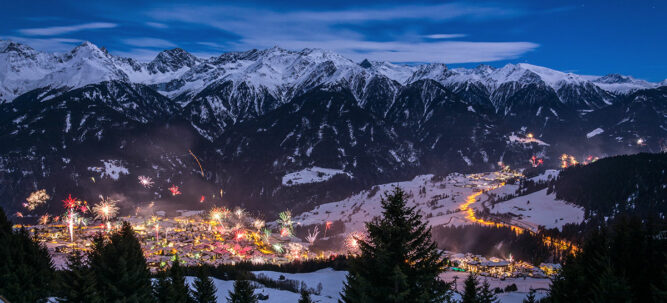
[622,184]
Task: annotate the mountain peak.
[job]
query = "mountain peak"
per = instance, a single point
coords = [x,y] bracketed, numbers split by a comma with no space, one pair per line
[614,78]
[172,60]
[366,64]
[7,46]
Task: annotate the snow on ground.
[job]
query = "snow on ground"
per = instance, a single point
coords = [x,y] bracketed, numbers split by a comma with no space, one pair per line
[332,285]
[547,175]
[111,168]
[438,199]
[331,280]
[514,138]
[312,175]
[540,286]
[539,208]
[594,133]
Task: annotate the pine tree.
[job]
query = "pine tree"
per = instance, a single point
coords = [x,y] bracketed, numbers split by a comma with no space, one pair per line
[204,289]
[485,294]
[244,292]
[305,297]
[78,282]
[471,285]
[26,269]
[530,298]
[180,292]
[120,268]
[162,288]
[399,262]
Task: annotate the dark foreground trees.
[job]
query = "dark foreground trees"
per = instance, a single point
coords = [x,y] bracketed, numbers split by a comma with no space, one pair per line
[26,270]
[119,267]
[623,263]
[399,261]
[204,289]
[244,292]
[78,283]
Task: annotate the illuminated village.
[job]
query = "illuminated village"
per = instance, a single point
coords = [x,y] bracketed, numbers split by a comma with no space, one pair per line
[224,236]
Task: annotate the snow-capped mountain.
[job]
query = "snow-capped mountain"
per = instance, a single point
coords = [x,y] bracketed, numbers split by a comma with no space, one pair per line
[255,117]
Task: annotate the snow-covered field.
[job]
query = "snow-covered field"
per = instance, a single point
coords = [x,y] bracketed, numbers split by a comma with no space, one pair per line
[437,198]
[332,285]
[311,175]
[539,208]
[440,199]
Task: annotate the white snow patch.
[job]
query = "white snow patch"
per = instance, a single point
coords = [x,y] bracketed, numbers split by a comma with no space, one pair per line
[595,132]
[312,175]
[540,209]
[111,168]
[526,140]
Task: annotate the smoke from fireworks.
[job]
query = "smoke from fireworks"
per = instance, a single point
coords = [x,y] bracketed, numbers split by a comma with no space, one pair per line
[146,182]
[36,199]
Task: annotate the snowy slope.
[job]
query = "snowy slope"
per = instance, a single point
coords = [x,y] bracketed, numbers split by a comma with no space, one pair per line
[538,208]
[439,200]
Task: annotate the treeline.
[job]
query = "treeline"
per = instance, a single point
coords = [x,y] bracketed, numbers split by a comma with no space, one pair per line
[497,241]
[624,262]
[632,184]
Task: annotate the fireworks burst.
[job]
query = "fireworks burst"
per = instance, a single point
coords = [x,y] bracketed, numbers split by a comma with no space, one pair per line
[174,190]
[146,182]
[267,235]
[202,199]
[258,224]
[218,213]
[312,235]
[240,235]
[295,250]
[278,248]
[106,209]
[285,221]
[239,213]
[535,161]
[44,219]
[36,199]
[567,160]
[285,232]
[353,240]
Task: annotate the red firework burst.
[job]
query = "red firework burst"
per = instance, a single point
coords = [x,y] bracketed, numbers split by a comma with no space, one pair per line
[174,190]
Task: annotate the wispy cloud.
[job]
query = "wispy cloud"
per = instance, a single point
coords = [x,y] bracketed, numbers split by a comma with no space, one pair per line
[59,30]
[445,36]
[149,42]
[343,30]
[157,25]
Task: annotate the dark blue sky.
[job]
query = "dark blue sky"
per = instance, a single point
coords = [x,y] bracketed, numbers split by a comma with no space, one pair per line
[585,37]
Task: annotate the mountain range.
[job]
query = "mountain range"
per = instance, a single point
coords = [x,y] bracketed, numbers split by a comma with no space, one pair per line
[89,122]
